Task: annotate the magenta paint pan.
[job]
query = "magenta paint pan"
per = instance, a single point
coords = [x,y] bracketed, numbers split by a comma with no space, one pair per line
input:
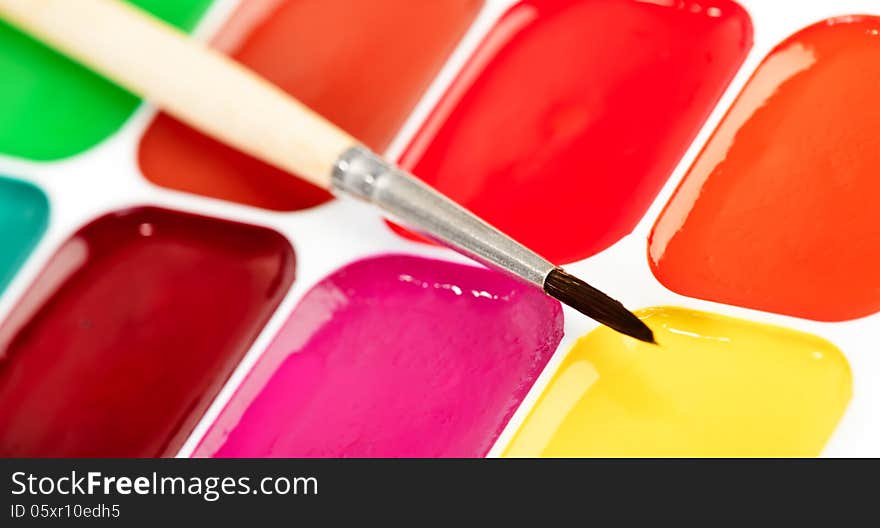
[394,356]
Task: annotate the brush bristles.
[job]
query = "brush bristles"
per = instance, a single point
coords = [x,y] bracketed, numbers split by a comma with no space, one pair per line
[591,302]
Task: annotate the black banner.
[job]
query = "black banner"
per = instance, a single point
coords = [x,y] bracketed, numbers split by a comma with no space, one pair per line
[93,492]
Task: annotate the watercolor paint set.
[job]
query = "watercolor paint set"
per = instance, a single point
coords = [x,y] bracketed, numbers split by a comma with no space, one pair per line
[710,163]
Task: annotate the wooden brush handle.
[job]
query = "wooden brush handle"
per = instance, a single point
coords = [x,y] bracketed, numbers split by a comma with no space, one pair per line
[194,83]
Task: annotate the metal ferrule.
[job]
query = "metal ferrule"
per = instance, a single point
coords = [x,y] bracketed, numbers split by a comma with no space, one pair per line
[409,201]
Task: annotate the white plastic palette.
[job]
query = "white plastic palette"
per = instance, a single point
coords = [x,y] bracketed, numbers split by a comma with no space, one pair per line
[107,178]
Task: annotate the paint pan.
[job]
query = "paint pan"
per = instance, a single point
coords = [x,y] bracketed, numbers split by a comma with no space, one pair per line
[127,334]
[543,128]
[716,387]
[805,132]
[391,357]
[342,72]
[52,108]
[24,213]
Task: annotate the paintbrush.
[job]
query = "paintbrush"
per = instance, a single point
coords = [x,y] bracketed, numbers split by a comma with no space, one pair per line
[223,99]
